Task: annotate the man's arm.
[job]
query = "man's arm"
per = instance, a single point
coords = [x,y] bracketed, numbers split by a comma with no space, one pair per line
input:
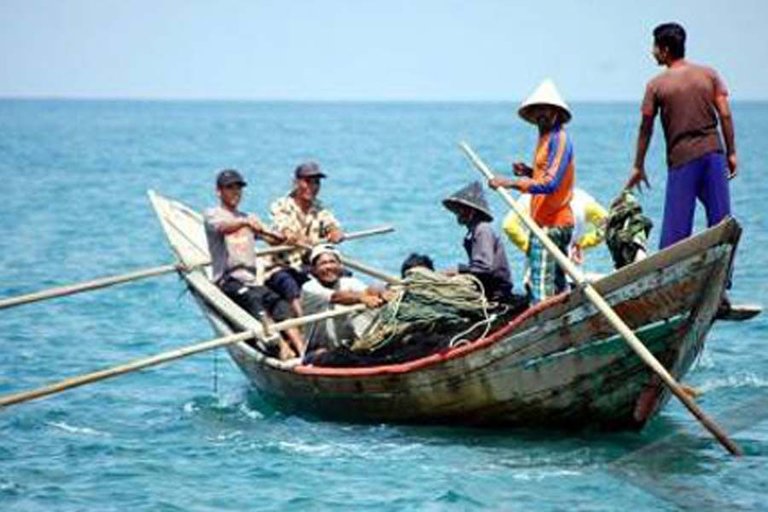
[726,121]
[637,176]
[227,226]
[335,235]
[331,227]
[356,292]
[371,297]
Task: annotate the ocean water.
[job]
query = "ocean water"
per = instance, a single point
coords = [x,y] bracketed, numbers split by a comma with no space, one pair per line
[191,435]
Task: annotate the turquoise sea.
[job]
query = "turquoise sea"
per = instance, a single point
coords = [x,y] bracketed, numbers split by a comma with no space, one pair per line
[190,435]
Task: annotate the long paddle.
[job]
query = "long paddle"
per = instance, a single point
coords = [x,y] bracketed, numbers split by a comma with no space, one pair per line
[103,282]
[344,260]
[606,310]
[387,278]
[165,357]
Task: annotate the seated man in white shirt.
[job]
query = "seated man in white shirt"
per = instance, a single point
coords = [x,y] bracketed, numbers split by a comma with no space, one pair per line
[327,288]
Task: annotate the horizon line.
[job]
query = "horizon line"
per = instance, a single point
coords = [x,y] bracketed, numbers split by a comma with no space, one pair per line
[214,99]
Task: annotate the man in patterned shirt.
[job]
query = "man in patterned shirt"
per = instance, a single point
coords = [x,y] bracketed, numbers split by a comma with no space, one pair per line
[301,218]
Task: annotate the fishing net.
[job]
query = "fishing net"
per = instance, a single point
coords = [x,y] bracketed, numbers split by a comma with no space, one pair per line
[430,312]
[427,303]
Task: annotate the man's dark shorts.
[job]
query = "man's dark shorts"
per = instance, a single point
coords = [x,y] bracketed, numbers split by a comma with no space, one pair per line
[255,299]
[287,282]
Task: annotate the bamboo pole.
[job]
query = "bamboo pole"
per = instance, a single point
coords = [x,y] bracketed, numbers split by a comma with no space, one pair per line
[164,357]
[387,278]
[603,306]
[103,282]
[378,274]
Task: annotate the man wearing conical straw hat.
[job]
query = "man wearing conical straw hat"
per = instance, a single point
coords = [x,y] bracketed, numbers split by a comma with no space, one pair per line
[550,182]
[485,251]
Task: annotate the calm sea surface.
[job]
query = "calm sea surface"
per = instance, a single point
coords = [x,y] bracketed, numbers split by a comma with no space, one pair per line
[192,436]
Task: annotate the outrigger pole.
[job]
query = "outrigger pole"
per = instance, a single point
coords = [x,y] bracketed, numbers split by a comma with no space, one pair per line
[164,357]
[103,282]
[603,306]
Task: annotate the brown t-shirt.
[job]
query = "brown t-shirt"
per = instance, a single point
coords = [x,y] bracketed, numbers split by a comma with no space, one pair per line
[685,93]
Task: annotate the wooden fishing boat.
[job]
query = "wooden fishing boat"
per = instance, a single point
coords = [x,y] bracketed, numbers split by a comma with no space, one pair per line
[559,364]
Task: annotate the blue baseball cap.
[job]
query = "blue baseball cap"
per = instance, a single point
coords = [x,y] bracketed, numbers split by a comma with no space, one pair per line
[309,170]
[229,177]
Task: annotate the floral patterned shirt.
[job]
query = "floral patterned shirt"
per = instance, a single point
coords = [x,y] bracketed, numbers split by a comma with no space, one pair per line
[315,225]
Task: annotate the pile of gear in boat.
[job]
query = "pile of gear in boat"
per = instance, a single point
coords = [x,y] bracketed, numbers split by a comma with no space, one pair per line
[428,313]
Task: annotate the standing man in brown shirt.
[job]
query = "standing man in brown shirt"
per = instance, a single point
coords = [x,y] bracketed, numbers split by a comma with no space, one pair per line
[691,99]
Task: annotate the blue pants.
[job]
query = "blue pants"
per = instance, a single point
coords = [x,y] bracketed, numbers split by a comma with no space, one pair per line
[704,178]
[287,282]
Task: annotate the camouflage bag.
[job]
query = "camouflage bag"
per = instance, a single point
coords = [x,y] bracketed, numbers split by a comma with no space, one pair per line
[626,229]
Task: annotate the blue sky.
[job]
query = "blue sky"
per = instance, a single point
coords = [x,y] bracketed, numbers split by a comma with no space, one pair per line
[366,50]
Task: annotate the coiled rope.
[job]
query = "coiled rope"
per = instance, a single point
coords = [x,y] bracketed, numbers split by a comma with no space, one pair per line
[428,302]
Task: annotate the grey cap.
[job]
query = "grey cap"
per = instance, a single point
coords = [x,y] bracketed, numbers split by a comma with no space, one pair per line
[309,170]
[229,177]
[472,196]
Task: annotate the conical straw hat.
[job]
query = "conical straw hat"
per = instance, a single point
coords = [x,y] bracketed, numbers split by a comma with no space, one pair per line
[472,196]
[545,94]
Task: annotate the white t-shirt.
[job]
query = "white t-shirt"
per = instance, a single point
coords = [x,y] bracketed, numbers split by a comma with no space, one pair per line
[332,332]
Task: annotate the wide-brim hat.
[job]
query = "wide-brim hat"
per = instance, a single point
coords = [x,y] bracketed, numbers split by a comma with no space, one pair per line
[472,196]
[545,94]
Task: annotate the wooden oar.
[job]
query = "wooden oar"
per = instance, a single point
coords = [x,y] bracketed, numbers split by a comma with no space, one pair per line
[164,357]
[103,282]
[387,278]
[603,306]
[378,274]
[95,284]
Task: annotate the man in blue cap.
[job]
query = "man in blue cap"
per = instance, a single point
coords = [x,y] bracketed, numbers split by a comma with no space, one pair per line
[231,238]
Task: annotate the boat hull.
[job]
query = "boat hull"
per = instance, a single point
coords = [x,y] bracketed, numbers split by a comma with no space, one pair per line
[560,365]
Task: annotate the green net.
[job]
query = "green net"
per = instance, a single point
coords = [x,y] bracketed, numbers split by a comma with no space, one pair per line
[428,302]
